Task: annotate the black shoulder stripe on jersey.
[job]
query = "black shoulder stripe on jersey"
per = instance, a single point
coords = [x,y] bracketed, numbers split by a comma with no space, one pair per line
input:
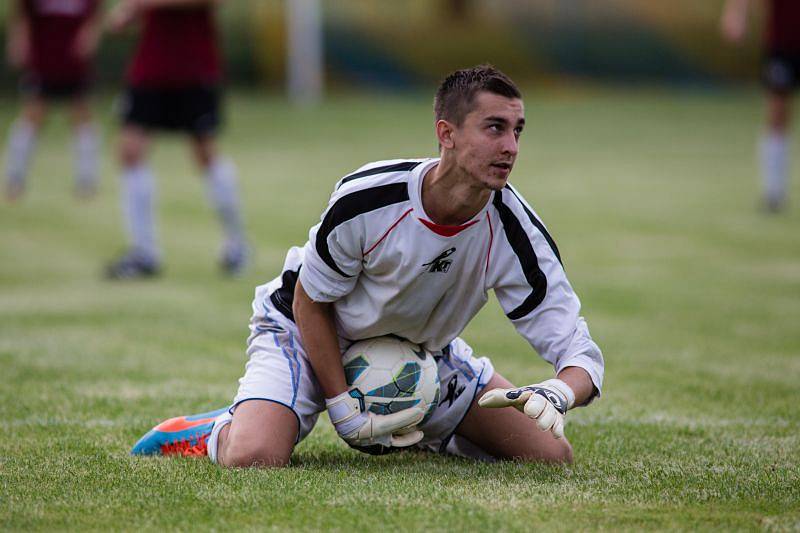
[283,297]
[538,223]
[350,206]
[521,244]
[396,167]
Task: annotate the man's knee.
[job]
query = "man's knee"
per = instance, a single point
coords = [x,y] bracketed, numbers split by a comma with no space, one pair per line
[130,155]
[559,452]
[545,448]
[132,147]
[536,446]
[34,112]
[204,151]
[237,454]
[246,442]
[566,456]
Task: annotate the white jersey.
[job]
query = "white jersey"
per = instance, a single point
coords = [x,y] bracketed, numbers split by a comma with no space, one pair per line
[389,270]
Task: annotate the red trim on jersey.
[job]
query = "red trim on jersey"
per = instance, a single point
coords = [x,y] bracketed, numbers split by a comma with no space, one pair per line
[388,231]
[446,231]
[491,239]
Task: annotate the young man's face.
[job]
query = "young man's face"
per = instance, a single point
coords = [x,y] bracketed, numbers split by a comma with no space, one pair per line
[487,142]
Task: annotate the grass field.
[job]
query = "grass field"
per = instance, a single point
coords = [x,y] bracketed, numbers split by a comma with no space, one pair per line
[693,295]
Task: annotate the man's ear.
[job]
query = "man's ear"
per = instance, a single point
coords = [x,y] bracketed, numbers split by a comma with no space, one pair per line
[444,133]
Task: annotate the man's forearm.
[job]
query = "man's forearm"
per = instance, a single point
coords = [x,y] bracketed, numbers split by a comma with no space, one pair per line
[146,4]
[733,22]
[737,7]
[94,22]
[318,332]
[17,36]
[17,19]
[580,383]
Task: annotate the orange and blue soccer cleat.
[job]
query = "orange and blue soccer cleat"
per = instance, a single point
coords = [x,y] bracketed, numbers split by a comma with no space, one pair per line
[182,435]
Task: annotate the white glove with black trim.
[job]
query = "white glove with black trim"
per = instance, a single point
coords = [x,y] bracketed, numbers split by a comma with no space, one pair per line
[546,402]
[360,428]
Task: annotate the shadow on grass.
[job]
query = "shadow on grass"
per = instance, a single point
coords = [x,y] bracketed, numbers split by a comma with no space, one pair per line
[418,462]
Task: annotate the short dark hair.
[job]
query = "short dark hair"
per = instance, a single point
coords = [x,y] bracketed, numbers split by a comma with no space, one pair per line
[457,92]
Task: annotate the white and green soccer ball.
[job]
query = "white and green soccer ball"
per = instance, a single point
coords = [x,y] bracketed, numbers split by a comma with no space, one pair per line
[392,374]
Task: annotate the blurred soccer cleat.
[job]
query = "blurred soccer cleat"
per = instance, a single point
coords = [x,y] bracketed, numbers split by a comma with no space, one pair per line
[182,435]
[133,265]
[85,189]
[233,258]
[773,204]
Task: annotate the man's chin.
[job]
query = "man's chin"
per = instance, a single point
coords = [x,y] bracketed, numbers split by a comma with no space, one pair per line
[496,185]
[497,180]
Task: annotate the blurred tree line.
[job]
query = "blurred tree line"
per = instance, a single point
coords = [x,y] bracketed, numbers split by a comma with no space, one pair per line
[407,43]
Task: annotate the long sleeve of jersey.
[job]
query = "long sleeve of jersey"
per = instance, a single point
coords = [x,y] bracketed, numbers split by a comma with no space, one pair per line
[532,287]
[332,255]
[358,208]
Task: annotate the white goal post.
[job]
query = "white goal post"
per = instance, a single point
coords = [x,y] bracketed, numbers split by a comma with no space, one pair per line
[305,57]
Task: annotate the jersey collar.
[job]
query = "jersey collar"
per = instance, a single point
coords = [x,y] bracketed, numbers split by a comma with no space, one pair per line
[415,195]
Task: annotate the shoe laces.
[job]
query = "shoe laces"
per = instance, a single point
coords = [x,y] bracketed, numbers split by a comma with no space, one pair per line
[187,447]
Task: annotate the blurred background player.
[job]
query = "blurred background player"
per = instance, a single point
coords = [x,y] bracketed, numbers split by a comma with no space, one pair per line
[53,42]
[172,84]
[781,75]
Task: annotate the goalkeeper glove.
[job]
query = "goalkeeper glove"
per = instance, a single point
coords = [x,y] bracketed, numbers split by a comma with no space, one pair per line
[545,402]
[360,428]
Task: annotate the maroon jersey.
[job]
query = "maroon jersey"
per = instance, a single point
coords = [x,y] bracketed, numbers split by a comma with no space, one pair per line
[783,26]
[177,48]
[54,26]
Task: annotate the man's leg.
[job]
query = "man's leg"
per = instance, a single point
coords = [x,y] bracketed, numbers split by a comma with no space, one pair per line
[86,148]
[137,198]
[259,433]
[223,193]
[277,404]
[509,433]
[262,433]
[20,145]
[775,151]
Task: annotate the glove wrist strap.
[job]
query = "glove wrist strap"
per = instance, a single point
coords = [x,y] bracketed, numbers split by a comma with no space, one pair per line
[345,413]
[339,408]
[563,388]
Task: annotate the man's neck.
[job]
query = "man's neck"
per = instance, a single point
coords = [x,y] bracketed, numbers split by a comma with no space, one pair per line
[450,197]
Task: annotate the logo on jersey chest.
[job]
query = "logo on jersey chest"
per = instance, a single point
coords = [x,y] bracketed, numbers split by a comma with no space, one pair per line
[440,263]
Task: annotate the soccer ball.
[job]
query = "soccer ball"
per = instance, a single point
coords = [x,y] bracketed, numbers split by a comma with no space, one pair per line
[392,374]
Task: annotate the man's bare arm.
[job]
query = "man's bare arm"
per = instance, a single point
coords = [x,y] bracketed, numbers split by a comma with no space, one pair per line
[127,11]
[356,427]
[733,23]
[318,332]
[18,43]
[546,402]
[146,4]
[89,35]
[579,381]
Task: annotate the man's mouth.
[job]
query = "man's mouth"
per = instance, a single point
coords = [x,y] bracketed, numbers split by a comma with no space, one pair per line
[504,166]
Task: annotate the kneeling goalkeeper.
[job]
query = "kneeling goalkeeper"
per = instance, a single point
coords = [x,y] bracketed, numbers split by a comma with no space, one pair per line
[411,247]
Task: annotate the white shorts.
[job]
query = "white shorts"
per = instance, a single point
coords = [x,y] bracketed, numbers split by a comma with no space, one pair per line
[278,371]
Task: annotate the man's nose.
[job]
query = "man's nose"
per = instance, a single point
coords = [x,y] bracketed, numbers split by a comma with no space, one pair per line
[510,144]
